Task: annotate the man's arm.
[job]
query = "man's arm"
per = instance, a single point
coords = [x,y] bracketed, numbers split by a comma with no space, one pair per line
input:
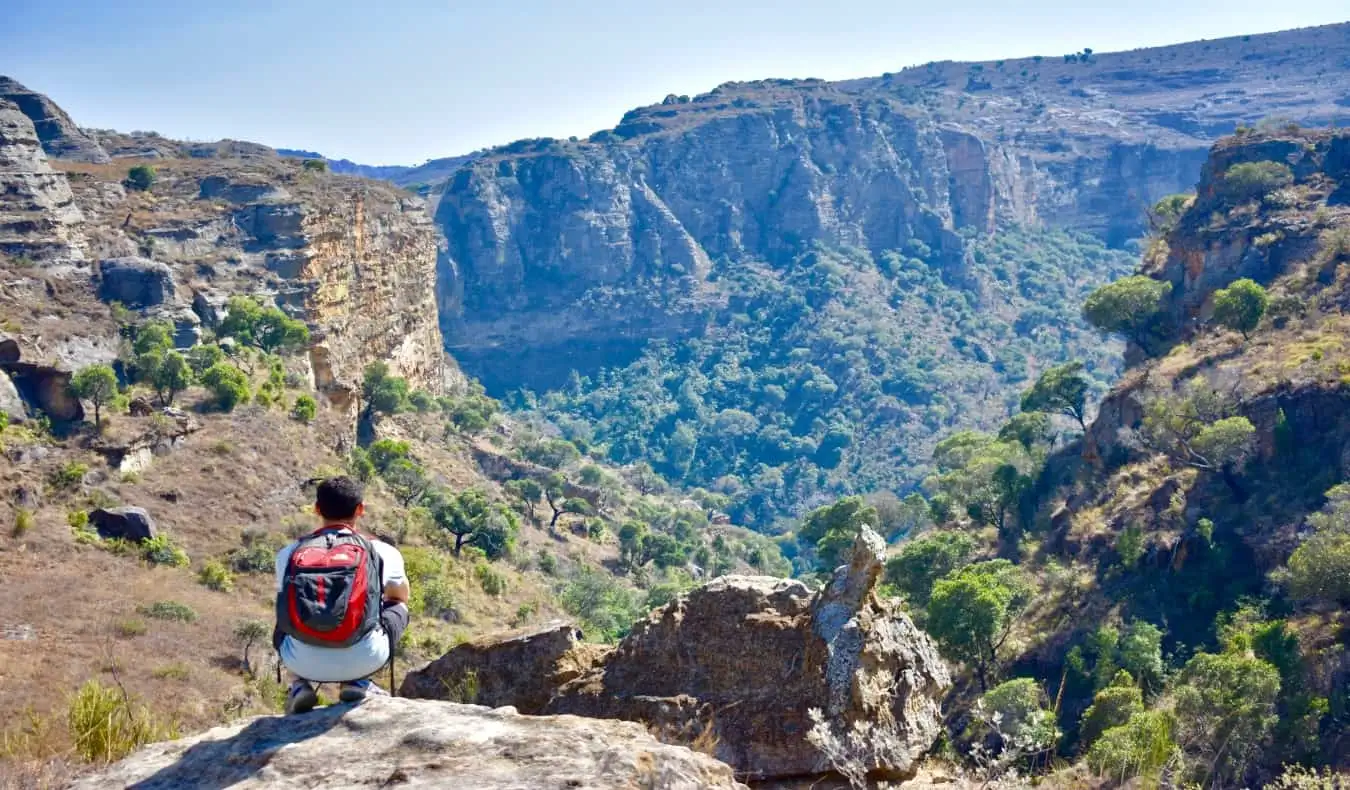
[397,592]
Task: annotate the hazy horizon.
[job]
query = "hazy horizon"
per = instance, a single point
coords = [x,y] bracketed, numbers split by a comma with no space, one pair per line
[421,81]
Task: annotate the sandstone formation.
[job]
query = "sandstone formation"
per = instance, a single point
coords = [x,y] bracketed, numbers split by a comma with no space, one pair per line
[135,282]
[60,137]
[39,220]
[742,663]
[394,742]
[565,253]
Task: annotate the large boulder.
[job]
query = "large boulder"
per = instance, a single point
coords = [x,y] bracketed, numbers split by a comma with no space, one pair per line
[521,668]
[135,282]
[760,670]
[405,743]
[127,523]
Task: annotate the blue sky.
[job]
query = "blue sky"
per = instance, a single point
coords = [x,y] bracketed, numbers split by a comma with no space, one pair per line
[401,81]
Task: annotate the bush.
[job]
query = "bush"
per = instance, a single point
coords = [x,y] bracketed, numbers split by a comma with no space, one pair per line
[70,475]
[168,610]
[1225,707]
[491,580]
[23,521]
[1254,180]
[305,409]
[438,597]
[141,178]
[605,608]
[315,165]
[107,725]
[1113,706]
[972,610]
[215,576]
[1016,709]
[548,564]
[421,401]
[1240,306]
[1143,746]
[924,560]
[159,550]
[228,384]
[257,555]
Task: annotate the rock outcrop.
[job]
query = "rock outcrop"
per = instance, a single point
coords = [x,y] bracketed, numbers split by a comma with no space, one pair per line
[39,220]
[759,667]
[135,282]
[60,137]
[394,742]
[521,669]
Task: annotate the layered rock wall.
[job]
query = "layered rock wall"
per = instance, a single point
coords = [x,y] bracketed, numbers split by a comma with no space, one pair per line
[39,220]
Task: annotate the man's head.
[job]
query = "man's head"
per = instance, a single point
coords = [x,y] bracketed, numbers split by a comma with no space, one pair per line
[339,499]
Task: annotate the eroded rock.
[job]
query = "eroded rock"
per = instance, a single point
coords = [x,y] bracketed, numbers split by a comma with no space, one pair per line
[742,662]
[521,668]
[405,743]
[135,282]
[46,388]
[11,405]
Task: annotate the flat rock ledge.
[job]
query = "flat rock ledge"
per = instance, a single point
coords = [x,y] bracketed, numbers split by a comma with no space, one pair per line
[407,743]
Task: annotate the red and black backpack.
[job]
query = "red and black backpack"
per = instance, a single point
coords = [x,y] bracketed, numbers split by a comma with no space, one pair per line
[331,589]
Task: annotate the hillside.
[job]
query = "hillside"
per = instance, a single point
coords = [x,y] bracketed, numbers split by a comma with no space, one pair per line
[653,244]
[1194,539]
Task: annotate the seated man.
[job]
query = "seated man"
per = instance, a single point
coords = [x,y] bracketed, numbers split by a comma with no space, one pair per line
[341,601]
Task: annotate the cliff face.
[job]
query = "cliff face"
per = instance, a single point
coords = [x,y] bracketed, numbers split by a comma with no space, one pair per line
[39,220]
[60,137]
[355,259]
[538,229]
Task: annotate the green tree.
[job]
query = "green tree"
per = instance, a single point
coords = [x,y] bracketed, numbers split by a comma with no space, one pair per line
[1198,428]
[1113,706]
[1029,429]
[1062,390]
[228,384]
[172,376]
[1129,307]
[383,393]
[1319,569]
[249,633]
[1139,652]
[407,480]
[98,385]
[554,487]
[1240,306]
[528,491]
[605,607]
[553,453]
[832,529]
[473,519]
[632,538]
[1254,180]
[252,323]
[202,358]
[305,409]
[924,560]
[1225,705]
[973,609]
[1166,213]
[1143,746]
[1022,720]
[141,178]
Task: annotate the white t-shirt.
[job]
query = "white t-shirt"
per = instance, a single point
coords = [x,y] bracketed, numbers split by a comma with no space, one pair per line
[338,665]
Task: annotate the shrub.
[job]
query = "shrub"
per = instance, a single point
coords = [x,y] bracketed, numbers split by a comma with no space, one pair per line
[604,606]
[491,580]
[1113,706]
[1225,707]
[1129,307]
[1016,709]
[98,385]
[130,627]
[924,560]
[305,409]
[23,521]
[1240,306]
[215,576]
[973,609]
[548,564]
[1319,569]
[141,178]
[168,610]
[248,633]
[228,384]
[107,725]
[1253,180]
[438,598]
[257,555]
[70,475]
[315,165]
[421,401]
[159,550]
[1143,746]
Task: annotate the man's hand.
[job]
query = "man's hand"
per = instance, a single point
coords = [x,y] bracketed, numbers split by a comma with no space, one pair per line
[398,592]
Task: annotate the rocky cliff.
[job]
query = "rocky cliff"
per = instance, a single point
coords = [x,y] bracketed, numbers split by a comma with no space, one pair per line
[39,220]
[355,259]
[416,744]
[559,246]
[60,137]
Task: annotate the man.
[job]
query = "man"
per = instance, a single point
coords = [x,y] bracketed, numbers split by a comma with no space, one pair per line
[341,601]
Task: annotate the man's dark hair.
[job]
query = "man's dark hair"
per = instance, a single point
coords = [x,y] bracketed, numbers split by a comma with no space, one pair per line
[338,498]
